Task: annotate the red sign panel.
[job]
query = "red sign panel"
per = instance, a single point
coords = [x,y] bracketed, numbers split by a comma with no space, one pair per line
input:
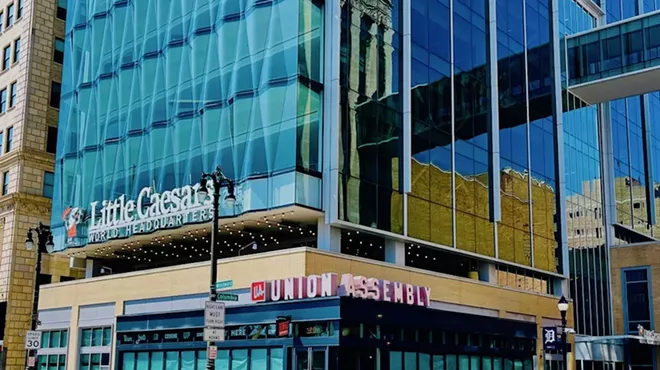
[259,291]
[283,328]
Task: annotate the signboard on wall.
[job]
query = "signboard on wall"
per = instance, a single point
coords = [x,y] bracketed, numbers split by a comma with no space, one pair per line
[328,285]
[648,336]
[150,211]
[161,336]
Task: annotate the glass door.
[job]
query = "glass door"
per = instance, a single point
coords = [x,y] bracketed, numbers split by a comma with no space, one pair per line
[310,358]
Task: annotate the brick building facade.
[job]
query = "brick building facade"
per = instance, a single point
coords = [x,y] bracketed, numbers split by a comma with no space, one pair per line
[30,70]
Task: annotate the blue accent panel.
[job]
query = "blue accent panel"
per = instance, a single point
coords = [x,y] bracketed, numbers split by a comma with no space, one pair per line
[318,309]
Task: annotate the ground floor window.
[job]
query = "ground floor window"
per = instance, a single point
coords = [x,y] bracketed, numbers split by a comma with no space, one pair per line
[52,362]
[373,359]
[236,359]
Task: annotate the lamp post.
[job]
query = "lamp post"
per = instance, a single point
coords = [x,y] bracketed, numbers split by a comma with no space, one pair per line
[44,245]
[562,305]
[218,179]
[250,244]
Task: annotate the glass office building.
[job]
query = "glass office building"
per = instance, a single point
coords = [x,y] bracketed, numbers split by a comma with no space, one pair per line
[156,92]
[448,135]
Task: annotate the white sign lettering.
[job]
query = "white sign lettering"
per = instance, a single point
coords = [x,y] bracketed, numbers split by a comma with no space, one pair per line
[327,285]
[121,218]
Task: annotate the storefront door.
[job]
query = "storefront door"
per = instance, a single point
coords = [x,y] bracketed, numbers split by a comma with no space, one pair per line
[310,358]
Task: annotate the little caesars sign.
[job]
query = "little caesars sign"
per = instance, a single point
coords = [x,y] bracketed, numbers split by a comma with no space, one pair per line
[151,211]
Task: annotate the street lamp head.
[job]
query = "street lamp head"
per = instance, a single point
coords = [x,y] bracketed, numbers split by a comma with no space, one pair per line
[29,242]
[50,246]
[562,305]
[230,199]
[203,192]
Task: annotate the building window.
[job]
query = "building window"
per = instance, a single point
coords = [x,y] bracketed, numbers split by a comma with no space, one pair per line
[95,348]
[96,337]
[51,141]
[94,361]
[2,18]
[49,182]
[56,341]
[55,89]
[10,139]
[61,9]
[59,51]
[3,100]
[52,362]
[19,12]
[636,298]
[5,183]
[55,338]
[12,95]
[10,15]
[6,54]
[17,50]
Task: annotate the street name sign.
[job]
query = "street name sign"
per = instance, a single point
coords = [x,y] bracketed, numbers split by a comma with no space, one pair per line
[224,284]
[227,297]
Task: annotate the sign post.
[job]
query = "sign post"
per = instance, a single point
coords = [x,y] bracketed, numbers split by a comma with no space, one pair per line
[214,321]
[32,339]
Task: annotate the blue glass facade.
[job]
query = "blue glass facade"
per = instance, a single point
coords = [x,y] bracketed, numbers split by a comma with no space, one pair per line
[449,202]
[156,92]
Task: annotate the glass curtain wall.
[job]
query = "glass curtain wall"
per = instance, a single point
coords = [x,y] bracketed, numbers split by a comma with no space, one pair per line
[589,275]
[450,186]
[155,92]
[370,115]
[528,194]
[639,116]
[430,202]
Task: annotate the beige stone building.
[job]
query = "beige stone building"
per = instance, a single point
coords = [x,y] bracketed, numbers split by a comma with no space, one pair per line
[31,47]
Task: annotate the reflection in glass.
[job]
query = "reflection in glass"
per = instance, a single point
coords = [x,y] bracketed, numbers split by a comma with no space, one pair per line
[258,359]
[410,361]
[276,359]
[239,359]
[201,359]
[222,362]
[370,118]
[174,99]
[171,360]
[396,360]
[187,360]
[142,361]
[157,361]
[128,361]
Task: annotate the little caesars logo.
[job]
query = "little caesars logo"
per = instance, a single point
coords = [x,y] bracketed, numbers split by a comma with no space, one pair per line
[151,211]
